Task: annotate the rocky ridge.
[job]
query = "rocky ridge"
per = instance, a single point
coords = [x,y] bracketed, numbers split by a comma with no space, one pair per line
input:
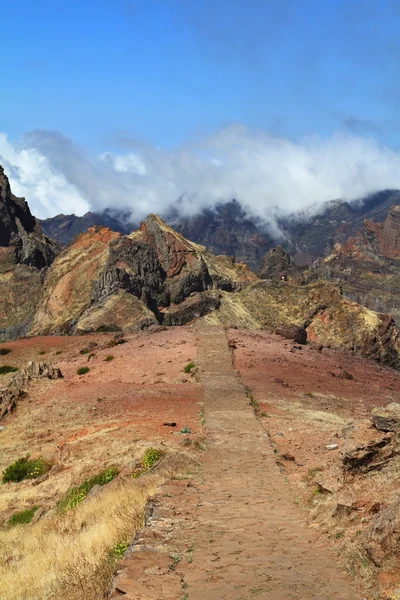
[25,255]
[367,265]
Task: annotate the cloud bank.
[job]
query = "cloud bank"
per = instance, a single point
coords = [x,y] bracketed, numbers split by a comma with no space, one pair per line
[270,176]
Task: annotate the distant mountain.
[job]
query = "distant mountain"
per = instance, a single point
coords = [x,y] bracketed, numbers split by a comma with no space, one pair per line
[310,237]
[228,229]
[64,228]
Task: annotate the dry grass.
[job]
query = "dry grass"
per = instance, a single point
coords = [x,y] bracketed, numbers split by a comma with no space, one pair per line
[65,555]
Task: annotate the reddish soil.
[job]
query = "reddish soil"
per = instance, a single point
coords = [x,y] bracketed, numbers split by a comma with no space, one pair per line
[307,401]
[109,415]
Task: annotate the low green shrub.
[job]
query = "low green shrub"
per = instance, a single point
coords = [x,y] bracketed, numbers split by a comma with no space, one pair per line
[76,494]
[23,468]
[42,352]
[189,367]
[23,517]
[109,358]
[118,342]
[7,369]
[83,370]
[84,351]
[4,351]
[118,551]
[149,458]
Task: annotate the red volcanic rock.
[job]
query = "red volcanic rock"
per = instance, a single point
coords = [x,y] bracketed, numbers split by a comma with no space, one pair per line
[387,234]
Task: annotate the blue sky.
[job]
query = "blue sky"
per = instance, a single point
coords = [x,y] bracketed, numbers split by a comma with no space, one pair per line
[163,71]
[144,76]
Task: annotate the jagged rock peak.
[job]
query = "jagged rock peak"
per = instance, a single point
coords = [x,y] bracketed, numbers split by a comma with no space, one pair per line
[276,264]
[20,230]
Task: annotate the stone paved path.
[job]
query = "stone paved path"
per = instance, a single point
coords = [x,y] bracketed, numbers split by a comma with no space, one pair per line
[251,539]
[235,533]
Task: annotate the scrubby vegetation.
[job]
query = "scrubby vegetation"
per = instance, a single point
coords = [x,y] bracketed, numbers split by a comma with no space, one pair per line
[117,342]
[72,555]
[24,468]
[83,370]
[7,369]
[76,494]
[23,517]
[189,367]
[149,458]
[109,358]
[4,351]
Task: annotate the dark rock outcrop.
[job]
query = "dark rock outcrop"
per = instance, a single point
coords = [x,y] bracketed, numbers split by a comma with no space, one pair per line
[293,332]
[372,456]
[20,231]
[19,384]
[192,308]
[387,418]
[25,255]
[276,264]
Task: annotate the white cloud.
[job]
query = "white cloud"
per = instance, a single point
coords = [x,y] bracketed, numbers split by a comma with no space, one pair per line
[271,176]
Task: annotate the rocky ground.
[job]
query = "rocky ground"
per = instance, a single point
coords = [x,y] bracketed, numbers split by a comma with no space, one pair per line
[297,491]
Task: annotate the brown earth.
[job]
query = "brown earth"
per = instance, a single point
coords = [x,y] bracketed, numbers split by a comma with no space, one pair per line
[237,531]
[263,518]
[106,417]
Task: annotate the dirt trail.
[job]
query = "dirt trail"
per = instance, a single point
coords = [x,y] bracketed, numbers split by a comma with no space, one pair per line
[251,539]
[234,532]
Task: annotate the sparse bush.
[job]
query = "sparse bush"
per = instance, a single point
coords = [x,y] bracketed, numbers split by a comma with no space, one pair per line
[84,351]
[4,351]
[23,517]
[150,458]
[23,468]
[58,352]
[91,355]
[109,358]
[83,370]
[42,352]
[7,369]
[118,342]
[189,367]
[76,494]
[118,551]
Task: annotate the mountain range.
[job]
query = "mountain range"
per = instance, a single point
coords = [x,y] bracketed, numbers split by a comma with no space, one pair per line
[229,229]
[105,280]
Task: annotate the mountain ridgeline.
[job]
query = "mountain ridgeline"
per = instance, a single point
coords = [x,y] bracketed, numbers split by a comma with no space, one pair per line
[228,229]
[106,280]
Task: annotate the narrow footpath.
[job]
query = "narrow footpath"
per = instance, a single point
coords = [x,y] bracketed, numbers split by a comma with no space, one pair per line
[234,532]
[251,540]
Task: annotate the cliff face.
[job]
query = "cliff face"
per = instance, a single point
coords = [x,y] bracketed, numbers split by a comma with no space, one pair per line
[106,280]
[20,231]
[25,254]
[384,238]
[368,265]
